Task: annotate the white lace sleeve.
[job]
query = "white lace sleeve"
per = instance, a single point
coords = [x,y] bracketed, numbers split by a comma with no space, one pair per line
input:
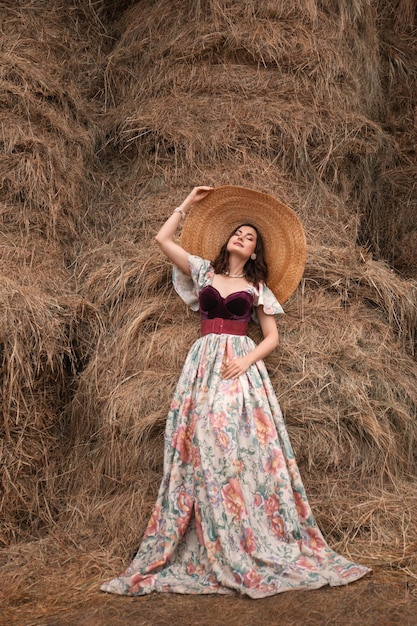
[188,287]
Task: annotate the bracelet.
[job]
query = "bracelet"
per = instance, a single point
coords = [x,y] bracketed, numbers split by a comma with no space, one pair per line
[178,210]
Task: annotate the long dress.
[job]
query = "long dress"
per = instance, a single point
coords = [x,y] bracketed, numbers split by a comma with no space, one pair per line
[232,515]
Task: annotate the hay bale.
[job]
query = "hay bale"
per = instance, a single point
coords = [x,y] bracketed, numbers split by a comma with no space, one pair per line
[242,85]
[47,138]
[35,356]
[47,150]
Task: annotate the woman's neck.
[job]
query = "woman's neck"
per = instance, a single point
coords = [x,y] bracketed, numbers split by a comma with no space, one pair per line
[236,267]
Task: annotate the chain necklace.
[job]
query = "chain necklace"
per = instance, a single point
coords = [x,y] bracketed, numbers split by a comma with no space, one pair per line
[234,275]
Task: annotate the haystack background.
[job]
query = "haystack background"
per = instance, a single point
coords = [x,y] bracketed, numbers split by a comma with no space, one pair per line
[110,112]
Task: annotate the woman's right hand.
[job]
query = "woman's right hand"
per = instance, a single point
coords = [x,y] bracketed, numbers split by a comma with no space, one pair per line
[196,195]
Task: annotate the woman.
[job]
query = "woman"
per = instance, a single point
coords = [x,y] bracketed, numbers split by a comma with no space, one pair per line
[232,515]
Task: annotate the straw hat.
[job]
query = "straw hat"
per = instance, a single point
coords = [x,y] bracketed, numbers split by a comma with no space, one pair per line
[210,222]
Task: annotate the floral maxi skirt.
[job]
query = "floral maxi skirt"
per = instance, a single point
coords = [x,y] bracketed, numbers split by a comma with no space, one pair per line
[232,515]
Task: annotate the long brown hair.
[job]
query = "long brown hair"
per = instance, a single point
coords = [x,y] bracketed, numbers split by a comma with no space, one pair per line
[256,270]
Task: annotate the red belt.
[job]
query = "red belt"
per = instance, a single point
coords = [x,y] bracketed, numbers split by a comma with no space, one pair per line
[220,326]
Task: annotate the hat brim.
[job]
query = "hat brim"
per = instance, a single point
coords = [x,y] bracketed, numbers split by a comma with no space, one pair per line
[211,221]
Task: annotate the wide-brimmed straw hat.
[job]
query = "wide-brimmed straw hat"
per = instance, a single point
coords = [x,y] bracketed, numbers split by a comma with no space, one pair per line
[210,222]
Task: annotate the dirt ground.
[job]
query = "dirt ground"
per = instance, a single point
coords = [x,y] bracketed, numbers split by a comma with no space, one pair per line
[372,601]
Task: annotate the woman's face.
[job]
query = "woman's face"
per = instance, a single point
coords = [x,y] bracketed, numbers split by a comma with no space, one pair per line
[242,242]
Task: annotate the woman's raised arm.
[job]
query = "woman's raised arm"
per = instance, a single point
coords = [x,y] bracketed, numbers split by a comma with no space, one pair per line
[164,238]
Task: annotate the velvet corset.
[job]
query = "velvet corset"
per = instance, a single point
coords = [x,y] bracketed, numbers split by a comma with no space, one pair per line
[235,306]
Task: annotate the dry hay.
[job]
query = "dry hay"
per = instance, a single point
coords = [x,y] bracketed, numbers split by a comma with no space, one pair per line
[275,90]
[132,104]
[47,145]
[38,359]
[47,135]
[389,223]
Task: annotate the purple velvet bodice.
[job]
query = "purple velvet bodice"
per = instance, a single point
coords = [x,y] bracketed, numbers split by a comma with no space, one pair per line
[235,306]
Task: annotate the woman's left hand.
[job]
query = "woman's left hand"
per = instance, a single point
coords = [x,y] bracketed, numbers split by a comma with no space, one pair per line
[235,367]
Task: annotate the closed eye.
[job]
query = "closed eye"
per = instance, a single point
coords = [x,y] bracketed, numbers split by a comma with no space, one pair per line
[249,236]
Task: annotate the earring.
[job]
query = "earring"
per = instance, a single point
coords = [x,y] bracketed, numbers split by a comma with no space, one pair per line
[253,256]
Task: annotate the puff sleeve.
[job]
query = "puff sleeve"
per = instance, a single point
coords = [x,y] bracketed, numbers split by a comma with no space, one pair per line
[264,297]
[188,287]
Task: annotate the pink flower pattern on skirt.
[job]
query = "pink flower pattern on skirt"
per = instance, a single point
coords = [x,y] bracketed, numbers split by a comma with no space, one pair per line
[232,515]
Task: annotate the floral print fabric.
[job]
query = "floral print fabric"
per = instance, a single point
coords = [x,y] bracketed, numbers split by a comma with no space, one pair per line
[232,515]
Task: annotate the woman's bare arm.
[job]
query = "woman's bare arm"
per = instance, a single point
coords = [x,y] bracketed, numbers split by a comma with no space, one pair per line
[164,238]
